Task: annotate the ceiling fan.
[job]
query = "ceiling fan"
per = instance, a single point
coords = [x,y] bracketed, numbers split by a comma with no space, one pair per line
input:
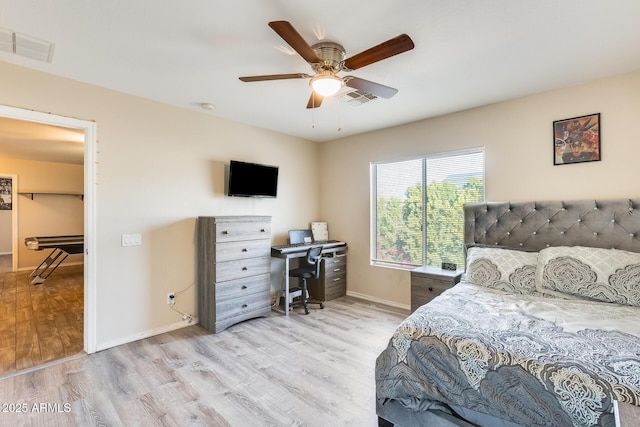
[327,60]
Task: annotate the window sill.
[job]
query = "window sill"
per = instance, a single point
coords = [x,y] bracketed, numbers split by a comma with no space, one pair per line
[393,266]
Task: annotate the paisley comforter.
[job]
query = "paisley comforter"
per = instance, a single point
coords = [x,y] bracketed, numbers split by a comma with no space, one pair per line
[529,359]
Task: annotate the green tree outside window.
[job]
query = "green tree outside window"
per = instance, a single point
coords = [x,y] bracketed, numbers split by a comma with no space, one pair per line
[426,227]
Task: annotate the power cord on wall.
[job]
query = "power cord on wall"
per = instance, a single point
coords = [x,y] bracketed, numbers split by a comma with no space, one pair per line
[172,305]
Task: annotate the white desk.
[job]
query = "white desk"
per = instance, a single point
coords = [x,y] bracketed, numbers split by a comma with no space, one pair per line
[287,253]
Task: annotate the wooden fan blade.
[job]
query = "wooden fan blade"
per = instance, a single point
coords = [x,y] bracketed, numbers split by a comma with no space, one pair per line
[295,40]
[373,88]
[315,100]
[395,46]
[274,77]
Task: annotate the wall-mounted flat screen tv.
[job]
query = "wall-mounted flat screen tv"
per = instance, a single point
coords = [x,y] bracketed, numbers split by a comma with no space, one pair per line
[252,180]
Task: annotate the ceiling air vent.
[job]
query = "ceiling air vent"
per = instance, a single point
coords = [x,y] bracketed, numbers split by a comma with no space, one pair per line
[357,97]
[24,45]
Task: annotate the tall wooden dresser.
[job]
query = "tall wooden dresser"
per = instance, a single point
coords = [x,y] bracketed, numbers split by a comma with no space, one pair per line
[234,270]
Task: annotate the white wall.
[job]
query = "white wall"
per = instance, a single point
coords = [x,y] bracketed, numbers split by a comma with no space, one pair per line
[517,136]
[160,167]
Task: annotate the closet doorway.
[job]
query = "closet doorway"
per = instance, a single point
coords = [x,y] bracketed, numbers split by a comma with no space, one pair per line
[68,295]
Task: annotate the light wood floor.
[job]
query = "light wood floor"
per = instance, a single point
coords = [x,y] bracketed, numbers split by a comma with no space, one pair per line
[314,370]
[5,263]
[40,323]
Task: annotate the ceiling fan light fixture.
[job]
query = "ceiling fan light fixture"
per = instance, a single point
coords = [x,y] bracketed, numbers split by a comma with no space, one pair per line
[327,59]
[326,83]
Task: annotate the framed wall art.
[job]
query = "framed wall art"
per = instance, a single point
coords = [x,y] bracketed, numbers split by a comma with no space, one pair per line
[577,140]
[5,194]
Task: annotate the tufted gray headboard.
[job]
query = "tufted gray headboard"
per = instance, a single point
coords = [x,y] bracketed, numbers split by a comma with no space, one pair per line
[533,226]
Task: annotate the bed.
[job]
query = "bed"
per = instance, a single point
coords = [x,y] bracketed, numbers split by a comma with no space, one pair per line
[542,330]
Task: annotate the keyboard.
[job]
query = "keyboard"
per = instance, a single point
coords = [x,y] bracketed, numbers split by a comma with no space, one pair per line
[329,243]
[302,247]
[294,246]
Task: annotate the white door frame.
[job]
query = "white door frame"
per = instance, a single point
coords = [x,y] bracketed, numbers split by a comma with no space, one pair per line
[90,149]
[14,219]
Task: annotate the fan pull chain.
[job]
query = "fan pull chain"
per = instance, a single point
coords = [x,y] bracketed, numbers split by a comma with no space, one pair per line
[339,113]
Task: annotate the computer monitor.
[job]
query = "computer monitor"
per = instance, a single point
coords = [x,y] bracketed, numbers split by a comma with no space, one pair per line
[300,236]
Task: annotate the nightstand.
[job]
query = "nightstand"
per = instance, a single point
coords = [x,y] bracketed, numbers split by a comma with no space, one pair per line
[429,282]
[626,415]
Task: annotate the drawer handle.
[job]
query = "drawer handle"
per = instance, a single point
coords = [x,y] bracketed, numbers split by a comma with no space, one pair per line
[337,279]
[225,232]
[244,306]
[244,287]
[245,250]
[336,269]
[245,268]
[262,230]
[430,288]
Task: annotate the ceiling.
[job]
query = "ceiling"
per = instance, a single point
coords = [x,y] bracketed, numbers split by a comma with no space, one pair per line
[467,53]
[21,139]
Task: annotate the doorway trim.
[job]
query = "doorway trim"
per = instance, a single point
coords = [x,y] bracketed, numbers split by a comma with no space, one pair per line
[90,256]
[14,219]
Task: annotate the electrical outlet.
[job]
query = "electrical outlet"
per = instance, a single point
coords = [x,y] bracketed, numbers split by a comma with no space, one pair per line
[171,298]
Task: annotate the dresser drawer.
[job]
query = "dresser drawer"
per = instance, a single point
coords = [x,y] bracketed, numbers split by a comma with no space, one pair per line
[230,251]
[239,288]
[334,269]
[425,287]
[335,262]
[242,268]
[246,230]
[432,288]
[335,286]
[246,307]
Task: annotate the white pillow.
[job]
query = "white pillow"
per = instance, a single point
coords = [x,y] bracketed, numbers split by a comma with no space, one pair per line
[510,270]
[609,275]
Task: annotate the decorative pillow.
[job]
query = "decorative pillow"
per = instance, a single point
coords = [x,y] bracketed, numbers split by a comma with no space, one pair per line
[609,275]
[510,270]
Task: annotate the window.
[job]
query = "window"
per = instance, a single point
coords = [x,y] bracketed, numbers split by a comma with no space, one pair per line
[416,206]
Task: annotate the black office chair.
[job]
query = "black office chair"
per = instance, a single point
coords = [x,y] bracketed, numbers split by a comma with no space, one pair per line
[309,268]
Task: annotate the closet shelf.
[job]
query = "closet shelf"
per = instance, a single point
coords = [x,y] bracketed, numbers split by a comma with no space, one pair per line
[31,194]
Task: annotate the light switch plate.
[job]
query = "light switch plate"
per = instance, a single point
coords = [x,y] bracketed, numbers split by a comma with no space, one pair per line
[131,239]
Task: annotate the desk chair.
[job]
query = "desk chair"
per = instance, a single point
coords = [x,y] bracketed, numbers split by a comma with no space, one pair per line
[309,269]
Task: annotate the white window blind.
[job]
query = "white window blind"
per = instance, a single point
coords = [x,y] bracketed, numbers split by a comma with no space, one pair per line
[417,216]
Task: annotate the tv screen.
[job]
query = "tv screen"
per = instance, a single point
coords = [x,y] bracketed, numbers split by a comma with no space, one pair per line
[252,180]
